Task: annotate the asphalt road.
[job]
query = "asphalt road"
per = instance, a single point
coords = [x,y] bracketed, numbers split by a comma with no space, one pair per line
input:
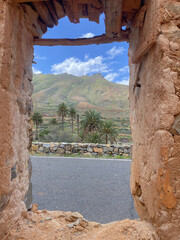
[98,189]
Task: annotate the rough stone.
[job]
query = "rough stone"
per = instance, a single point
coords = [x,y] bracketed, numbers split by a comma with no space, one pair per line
[34,208]
[46,150]
[94,154]
[116,150]
[55,148]
[173,46]
[28,197]
[154,117]
[68,148]
[128,230]
[79,228]
[61,151]
[13,172]
[73,216]
[89,149]
[46,145]
[74,150]
[176,125]
[35,227]
[154,109]
[41,149]
[34,147]
[98,150]
[4,202]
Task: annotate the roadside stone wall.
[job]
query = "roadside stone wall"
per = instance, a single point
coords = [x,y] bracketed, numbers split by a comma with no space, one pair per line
[155,117]
[84,149]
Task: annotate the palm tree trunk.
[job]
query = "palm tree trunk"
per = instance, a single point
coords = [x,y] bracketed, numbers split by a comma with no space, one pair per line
[78,125]
[62,122]
[36,131]
[106,139]
[72,125]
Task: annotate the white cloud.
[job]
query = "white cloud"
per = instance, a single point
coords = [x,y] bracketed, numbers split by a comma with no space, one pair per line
[36,71]
[86,56]
[88,35]
[78,67]
[38,57]
[124,81]
[124,70]
[111,76]
[114,51]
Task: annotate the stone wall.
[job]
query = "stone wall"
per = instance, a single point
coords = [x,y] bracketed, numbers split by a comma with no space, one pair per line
[84,149]
[16,55]
[154,107]
[155,117]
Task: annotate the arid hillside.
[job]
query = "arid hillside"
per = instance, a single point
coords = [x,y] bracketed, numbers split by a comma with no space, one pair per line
[86,92]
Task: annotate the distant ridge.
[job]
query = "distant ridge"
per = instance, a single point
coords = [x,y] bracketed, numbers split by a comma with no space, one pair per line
[86,92]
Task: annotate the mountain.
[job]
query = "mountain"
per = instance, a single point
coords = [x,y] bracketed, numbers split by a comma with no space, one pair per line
[86,92]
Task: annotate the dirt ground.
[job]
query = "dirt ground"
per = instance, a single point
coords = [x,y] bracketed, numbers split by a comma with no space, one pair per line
[55,225]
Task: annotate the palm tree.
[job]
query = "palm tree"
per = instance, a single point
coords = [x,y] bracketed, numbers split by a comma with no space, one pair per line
[72,114]
[38,120]
[109,130]
[91,122]
[62,111]
[53,121]
[78,125]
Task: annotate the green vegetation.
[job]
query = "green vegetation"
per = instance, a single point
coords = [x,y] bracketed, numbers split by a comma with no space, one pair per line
[93,129]
[53,121]
[62,98]
[62,111]
[109,131]
[91,121]
[72,114]
[38,120]
[56,134]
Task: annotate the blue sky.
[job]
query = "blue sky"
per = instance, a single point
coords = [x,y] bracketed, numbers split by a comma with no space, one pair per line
[111,60]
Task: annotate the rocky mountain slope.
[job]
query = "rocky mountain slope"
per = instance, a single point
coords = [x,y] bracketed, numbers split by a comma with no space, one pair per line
[86,92]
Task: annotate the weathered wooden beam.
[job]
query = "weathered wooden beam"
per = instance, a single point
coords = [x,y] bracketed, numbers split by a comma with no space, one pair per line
[129,5]
[59,9]
[79,41]
[51,8]
[143,48]
[26,1]
[32,21]
[71,10]
[44,13]
[113,17]
[82,8]
[93,13]
[95,3]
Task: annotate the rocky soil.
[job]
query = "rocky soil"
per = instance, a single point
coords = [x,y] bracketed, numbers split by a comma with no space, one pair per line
[55,225]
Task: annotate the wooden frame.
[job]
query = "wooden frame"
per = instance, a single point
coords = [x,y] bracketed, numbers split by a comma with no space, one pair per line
[79,41]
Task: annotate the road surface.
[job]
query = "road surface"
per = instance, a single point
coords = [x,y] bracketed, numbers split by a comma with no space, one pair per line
[98,189]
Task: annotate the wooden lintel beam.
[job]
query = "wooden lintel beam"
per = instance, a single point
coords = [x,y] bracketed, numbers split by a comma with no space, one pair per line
[79,41]
[92,2]
[26,1]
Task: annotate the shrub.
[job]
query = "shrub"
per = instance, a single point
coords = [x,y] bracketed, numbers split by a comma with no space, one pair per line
[55,134]
[43,133]
[94,137]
